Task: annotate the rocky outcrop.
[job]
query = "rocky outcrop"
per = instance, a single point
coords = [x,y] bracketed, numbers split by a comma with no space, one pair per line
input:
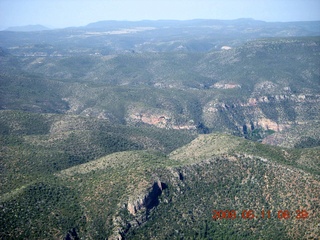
[146,201]
[226,48]
[266,112]
[301,98]
[268,124]
[138,206]
[226,85]
[160,120]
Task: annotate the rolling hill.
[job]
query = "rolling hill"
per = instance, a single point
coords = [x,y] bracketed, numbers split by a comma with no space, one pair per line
[201,129]
[139,194]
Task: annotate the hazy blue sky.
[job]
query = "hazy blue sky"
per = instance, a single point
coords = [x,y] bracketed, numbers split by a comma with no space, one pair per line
[64,13]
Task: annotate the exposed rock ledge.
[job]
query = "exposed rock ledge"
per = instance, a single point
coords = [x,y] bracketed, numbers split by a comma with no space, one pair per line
[268,124]
[226,85]
[138,206]
[159,120]
[146,201]
[301,98]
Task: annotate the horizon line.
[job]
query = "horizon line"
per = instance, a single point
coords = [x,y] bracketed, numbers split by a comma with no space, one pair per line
[4,28]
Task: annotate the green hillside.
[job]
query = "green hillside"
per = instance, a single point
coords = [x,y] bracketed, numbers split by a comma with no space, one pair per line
[269,84]
[201,129]
[35,145]
[169,197]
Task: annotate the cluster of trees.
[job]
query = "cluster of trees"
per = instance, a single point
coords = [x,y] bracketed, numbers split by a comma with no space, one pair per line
[23,216]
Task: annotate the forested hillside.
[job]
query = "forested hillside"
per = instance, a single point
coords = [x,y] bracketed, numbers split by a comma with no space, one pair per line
[200,129]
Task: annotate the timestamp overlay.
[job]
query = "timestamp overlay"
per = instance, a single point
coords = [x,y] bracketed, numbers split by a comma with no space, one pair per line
[247,214]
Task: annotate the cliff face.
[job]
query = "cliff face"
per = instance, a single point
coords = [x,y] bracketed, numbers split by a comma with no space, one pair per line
[139,205]
[194,190]
[303,135]
[273,112]
[267,84]
[146,201]
[159,118]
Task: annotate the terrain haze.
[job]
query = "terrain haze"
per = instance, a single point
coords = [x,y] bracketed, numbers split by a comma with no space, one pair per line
[60,14]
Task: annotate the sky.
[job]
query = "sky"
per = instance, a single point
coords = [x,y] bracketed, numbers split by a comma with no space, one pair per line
[67,13]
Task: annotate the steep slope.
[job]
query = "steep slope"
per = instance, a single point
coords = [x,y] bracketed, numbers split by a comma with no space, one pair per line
[140,194]
[261,87]
[205,147]
[265,87]
[35,145]
[304,135]
[227,173]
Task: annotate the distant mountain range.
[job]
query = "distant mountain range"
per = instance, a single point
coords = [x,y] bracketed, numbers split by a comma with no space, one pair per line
[312,26]
[27,28]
